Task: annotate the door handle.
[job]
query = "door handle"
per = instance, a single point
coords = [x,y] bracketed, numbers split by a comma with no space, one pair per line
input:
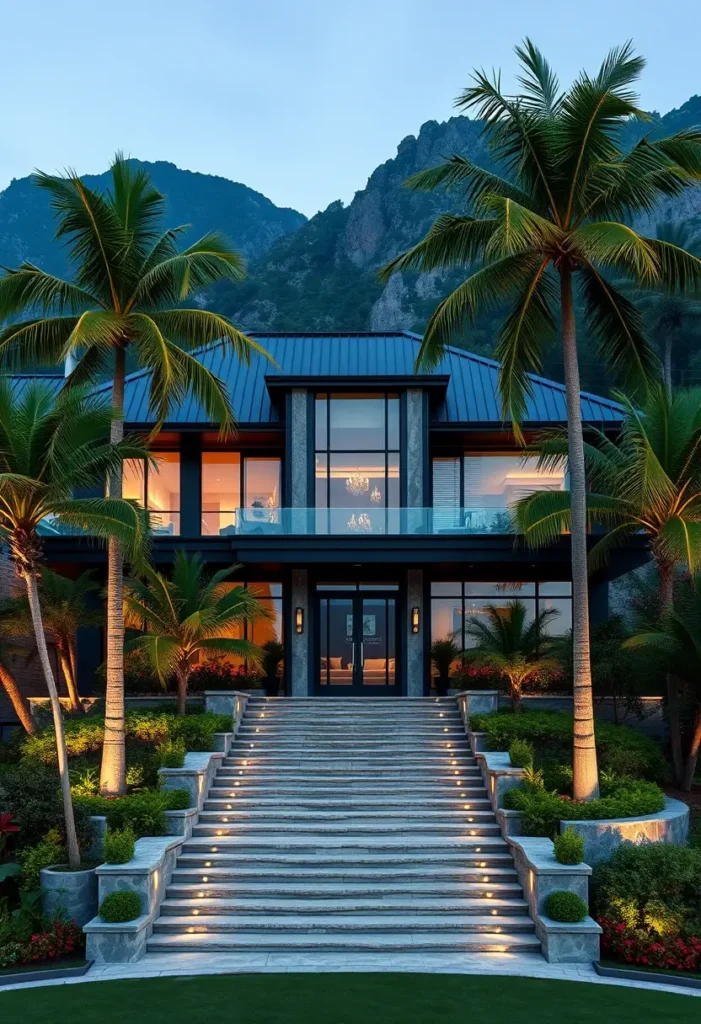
[362,654]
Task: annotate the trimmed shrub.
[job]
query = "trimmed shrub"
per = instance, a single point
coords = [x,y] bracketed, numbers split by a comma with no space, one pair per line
[521,753]
[655,888]
[569,847]
[543,811]
[119,846]
[34,858]
[32,793]
[143,813]
[171,754]
[620,749]
[566,907]
[119,906]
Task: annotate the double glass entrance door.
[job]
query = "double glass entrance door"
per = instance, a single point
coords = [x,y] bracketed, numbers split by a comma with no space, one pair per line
[358,645]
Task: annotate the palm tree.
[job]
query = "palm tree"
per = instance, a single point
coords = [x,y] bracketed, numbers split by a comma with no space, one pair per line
[48,450]
[64,610]
[670,315]
[20,704]
[519,651]
[677,638]
[556,217]
[645,482]
[188,616]
[130,279]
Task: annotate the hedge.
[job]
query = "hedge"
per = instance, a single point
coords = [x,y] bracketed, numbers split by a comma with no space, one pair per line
[142,813]
[543,811]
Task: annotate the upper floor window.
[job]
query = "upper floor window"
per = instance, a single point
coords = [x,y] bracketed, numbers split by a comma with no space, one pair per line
[475,491]
[357,464]
[230,482]
[157,488]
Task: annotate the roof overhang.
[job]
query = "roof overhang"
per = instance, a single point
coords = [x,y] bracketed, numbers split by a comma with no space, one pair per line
[435,385]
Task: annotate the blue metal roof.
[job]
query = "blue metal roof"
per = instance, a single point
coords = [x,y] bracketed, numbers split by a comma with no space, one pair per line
[471,395]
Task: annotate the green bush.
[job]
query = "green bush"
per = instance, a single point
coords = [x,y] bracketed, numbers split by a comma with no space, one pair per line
[34,858]
[569,847]
[119,906]
[620,749]
[118,846]
[32,793]
[143,813]
[171,754]
[543,811]
[655,887]
[566,907]
[521,753]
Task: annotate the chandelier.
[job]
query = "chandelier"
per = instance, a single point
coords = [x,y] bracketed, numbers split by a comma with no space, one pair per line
[360,524]
[357,484]
[376,496]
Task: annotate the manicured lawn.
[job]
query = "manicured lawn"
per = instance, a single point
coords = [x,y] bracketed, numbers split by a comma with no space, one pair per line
[345,999]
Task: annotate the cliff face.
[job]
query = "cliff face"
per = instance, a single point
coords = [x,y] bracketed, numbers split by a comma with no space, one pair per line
[204,201]
[324,275]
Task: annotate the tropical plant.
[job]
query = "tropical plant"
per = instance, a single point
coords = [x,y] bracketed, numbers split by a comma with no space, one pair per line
[677,638]
[20,704]
[647,481]
[443,653]
[48,450]
[187,617]
[64,609]
[271,659]
[130,280]
[515,649]
[561,212]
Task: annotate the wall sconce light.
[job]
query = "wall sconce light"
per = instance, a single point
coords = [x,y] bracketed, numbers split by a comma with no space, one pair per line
[299,620]
[414,620]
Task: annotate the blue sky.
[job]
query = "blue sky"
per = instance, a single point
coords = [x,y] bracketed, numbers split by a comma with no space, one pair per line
[300,99]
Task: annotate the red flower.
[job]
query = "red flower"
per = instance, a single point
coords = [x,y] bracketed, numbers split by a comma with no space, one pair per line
[6,825]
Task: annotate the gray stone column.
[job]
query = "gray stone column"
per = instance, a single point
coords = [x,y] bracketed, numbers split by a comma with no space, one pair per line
[298,469]
[415,448]
[299,642]
[415,641]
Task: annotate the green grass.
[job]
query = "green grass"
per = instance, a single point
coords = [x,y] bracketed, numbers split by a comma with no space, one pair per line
[346,999]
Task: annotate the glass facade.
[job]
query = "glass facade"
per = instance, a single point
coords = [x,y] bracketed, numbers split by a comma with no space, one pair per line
[453,604]
[231,481]
[357,463]
[474,492]
[263,629]
[157,488]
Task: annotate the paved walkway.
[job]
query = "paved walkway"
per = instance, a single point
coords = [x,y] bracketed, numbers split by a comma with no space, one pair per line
[527,965]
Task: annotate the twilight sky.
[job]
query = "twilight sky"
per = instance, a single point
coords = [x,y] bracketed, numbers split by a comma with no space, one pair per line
[300,99]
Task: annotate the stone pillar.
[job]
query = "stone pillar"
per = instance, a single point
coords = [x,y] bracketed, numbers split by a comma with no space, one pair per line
[299,440]
[299,642]
[415,455]
[415,641]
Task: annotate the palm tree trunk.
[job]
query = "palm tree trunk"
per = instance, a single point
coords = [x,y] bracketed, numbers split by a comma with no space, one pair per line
[182,677]
[67,669]
[515,695]
[692,756]
[666,573]
[19,703]
[71,837]
[586,776]
[113,768]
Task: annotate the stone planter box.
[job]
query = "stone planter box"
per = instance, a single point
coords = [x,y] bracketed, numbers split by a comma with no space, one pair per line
[499,775]
[510,822]
[476,702]
[69,894]
[228,702]
[148,874]
[181,823]
[601,838]
[541,874]
[196,775]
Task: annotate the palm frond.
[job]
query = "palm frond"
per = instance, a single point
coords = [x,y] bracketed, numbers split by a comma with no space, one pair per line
[207,261]
[38,342]
[31,287]
[618,246]
[538,80]
[459,172]
[451,241]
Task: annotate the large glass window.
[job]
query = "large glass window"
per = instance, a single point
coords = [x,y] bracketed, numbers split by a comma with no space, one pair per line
[231,482]
[261,630]
[357,471]
[453,604]
[157,488]
[474,492]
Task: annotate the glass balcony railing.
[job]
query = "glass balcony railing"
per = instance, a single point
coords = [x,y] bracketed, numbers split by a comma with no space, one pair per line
[371,521]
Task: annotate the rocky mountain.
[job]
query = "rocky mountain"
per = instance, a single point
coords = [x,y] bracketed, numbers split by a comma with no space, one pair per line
[204,201]
[323,277]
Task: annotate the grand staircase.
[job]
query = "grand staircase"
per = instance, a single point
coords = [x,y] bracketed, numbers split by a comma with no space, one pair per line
[346,825]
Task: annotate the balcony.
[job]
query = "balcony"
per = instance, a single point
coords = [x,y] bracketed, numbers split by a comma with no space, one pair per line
[359,522]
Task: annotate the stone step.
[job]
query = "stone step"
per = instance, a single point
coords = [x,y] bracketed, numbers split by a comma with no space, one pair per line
[218,887]
[398,942]
[237,813]
[283,831]
[487,865]
[332,910]
[342,802]
[371,845]
[352,768]
[376,923]
[260,754]
[364,791]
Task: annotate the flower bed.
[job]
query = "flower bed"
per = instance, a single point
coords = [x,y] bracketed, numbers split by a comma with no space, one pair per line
[543,810]
[631,946]
[59,940]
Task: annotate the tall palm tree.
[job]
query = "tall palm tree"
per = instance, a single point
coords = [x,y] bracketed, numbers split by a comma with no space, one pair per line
[677,638]
[130,279]
[187,616]
[48,450]
[520,651]
[670,315]
[64,610]
[20,704]
[556,217]
[646,481]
